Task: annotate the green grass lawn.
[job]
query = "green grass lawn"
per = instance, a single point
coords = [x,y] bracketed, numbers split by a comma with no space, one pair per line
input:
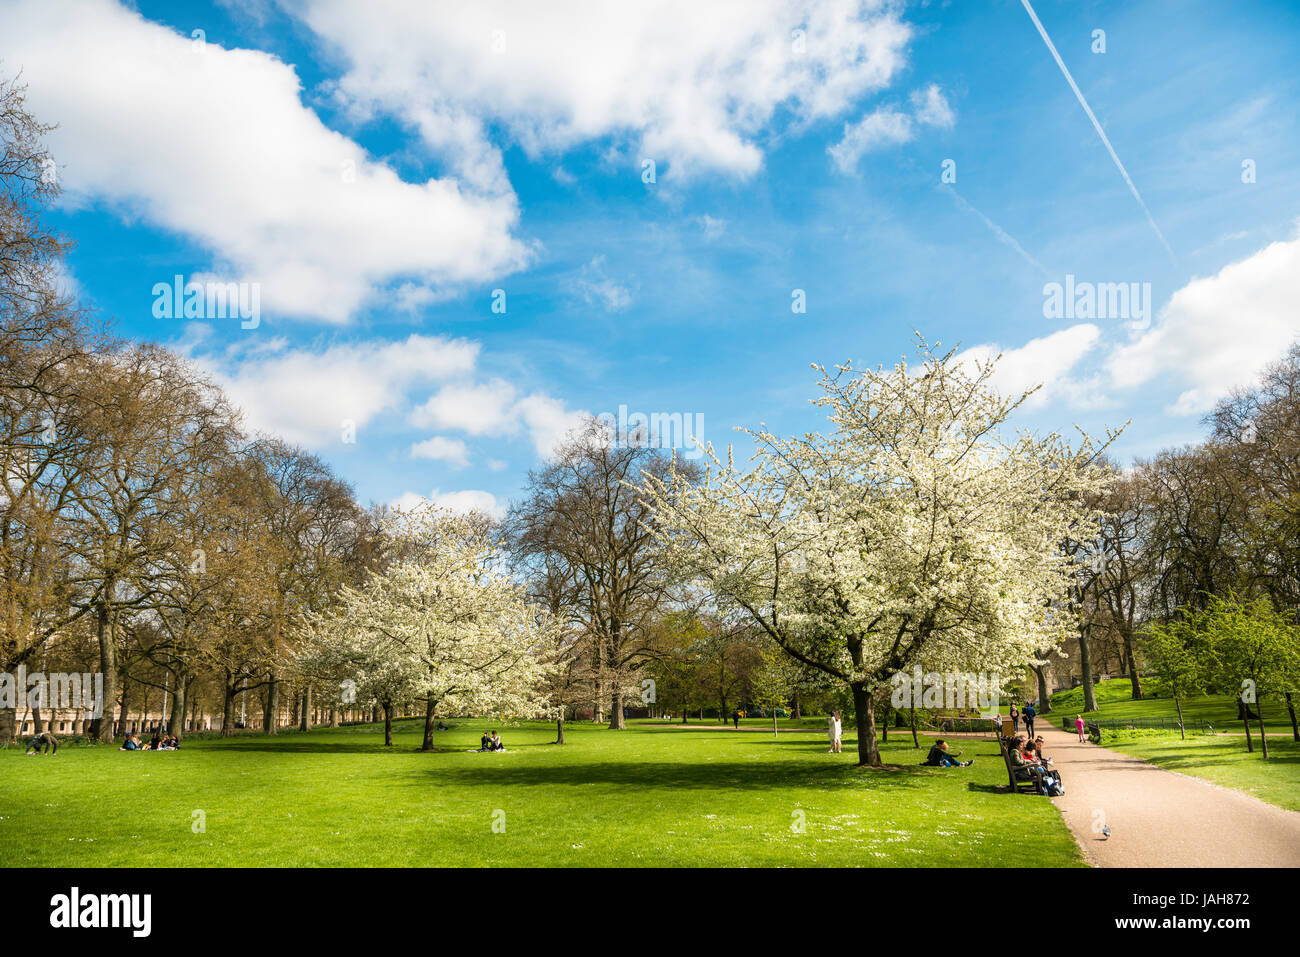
[1224,760]
[1115,703]
[645,796]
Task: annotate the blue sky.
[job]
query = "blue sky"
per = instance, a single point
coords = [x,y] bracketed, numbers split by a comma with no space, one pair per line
[379,170]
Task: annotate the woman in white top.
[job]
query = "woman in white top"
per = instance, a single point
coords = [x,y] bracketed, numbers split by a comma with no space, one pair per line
[835,732]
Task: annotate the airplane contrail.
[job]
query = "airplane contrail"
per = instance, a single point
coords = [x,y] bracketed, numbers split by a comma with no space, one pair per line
[1002,235]
[1100,132]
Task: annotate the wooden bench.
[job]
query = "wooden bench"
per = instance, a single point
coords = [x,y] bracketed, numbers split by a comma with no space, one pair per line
[1018,785]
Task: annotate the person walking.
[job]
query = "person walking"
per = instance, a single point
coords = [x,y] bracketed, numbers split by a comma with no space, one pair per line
[835,732]
[1078,726]
[1015,720]
[1028,714]
[735,719]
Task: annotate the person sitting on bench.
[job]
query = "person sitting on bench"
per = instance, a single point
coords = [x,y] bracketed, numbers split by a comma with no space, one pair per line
[1022,767]
[941,757]
[44,743]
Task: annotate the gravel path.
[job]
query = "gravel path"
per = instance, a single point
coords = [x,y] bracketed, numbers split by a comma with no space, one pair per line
[1160,818]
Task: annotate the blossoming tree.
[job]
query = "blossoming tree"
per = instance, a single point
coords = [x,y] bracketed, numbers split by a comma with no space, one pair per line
[444,623]
[915,530]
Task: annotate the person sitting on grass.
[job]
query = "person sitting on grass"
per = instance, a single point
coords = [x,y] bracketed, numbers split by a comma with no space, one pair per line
[485,742]
[496,744]
[132,743]
[941,757]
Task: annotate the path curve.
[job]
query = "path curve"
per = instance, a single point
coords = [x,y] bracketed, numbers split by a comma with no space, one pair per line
[1159,818]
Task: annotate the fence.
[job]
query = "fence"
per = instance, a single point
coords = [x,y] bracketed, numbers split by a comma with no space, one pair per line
[1191,725]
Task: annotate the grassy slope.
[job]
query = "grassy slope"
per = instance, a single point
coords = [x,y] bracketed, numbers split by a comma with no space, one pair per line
[1221,758]
[1115,703]
[640,797]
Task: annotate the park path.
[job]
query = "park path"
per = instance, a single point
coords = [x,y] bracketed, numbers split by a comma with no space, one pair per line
[1159,818]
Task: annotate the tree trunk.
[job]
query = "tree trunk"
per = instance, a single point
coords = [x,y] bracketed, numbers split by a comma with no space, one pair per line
[1181,730]
[388,725]
[8,724]
[1263,741]
[1044,701]
[334,717]
[916,741]
[124,712]
[1245,719]
[304,719]
[270,722]
[559,730]
[798,708]
[864,712]
[1133,677]
[176,721]
[616,720]
[102,727]
[1085,665]
[1290,710]
[228,711]
[431,705]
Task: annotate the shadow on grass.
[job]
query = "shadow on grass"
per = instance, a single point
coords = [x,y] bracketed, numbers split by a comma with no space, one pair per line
[667,775]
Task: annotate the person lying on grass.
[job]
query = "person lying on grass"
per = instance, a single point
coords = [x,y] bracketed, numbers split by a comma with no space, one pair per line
[132,743]
[941,757]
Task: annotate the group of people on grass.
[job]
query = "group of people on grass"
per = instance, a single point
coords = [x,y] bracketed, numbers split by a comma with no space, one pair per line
[159,742]
[491,741]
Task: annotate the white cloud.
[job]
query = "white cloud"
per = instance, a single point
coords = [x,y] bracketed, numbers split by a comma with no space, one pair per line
[1219,332]
[597,288]
[1045,362]
[548,421]
[932,108]
[485,408]
[462,501]
[886,126]
[494,408]
[441,449]
[217,145]
[569,71]
[878,129]
[713,227]
[305,396]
